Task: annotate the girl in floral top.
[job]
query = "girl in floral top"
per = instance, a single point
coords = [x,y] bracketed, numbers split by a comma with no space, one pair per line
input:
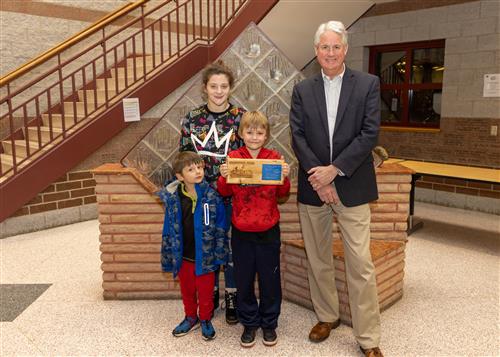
[211,130]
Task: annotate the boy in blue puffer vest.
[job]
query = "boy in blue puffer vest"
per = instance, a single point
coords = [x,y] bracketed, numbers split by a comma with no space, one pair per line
[194,242]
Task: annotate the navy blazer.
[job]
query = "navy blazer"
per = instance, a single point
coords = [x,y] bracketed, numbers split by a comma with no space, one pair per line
[355,135]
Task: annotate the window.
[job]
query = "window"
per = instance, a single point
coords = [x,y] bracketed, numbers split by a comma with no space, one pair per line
[411,82]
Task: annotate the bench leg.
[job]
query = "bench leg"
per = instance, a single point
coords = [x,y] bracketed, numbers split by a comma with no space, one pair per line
[413,225]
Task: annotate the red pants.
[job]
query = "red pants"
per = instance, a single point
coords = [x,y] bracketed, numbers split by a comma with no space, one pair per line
[196,291]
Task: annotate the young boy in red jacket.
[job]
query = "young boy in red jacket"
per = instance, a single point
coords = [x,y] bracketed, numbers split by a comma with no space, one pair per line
[256,235]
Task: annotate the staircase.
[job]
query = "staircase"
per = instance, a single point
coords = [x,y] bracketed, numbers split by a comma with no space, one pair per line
[79,108]
[59,108]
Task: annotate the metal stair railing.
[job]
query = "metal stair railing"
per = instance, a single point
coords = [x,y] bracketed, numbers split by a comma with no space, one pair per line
[58,93]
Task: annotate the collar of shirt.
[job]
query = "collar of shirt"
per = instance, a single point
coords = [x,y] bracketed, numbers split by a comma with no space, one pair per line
[185,193]
[337,77]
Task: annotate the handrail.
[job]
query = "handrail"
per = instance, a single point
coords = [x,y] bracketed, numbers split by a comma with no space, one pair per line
[109,18]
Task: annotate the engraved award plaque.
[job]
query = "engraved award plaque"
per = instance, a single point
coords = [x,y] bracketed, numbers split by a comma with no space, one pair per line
[255,171]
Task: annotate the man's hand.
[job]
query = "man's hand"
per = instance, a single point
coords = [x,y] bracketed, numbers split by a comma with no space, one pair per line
[322,175]
[328,194]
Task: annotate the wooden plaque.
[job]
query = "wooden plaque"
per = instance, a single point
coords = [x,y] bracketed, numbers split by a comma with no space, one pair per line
[255,171]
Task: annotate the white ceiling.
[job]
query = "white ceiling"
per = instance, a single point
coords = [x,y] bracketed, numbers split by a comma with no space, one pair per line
[291,24]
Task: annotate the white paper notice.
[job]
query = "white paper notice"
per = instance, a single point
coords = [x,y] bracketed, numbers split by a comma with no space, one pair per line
[131,109]
[491,85]
[394,104]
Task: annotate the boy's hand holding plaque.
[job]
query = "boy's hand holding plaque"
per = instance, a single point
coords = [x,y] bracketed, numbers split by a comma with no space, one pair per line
[255,171]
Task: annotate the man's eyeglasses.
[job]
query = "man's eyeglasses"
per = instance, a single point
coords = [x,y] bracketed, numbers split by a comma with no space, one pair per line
[327,48]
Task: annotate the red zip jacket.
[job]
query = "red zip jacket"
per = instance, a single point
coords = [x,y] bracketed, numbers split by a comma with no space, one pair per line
[255,207]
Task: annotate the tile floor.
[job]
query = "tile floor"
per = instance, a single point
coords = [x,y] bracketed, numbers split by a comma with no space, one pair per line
[450,305]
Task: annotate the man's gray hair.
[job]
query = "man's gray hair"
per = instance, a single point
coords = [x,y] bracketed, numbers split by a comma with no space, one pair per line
[335,26]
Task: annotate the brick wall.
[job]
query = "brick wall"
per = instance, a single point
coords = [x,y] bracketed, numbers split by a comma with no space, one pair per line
[461,141]
[459,193]
[71,190]
[466,187]
[131,219]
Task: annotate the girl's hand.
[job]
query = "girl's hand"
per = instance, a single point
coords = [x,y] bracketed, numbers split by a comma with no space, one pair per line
[286,169]
[223,170]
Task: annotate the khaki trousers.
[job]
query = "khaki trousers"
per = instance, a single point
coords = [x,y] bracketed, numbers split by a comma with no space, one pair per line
[354,223]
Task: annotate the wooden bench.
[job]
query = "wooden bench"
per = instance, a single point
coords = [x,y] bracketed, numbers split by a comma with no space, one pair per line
[455,171]
[445,170]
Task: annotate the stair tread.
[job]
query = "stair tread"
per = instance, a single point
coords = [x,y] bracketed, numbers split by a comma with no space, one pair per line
[79,103]
[45,128]
[130,72]
[21,142]
[9,160]
[99,90]
[59,115]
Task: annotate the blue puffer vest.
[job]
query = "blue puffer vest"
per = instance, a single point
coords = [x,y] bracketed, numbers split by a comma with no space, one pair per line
[211,243]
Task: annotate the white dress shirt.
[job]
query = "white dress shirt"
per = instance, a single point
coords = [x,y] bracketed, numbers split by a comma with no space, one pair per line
[332,95]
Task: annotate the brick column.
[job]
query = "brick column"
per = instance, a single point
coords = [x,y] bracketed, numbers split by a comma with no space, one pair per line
[131,219]
[388,233]
[388,258]
[389,212]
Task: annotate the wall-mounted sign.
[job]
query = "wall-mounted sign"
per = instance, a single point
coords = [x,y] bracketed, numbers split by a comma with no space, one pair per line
[491,85]
[131,110]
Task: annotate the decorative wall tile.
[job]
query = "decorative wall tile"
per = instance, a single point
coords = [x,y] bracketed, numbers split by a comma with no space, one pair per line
[264,80]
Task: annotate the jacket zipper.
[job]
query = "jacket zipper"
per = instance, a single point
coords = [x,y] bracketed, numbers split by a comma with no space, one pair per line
[206,214]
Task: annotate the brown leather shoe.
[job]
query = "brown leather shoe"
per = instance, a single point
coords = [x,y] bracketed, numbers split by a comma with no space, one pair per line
[372,352]
[321,330]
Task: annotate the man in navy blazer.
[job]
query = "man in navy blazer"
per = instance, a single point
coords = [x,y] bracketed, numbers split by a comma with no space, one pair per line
[335,120]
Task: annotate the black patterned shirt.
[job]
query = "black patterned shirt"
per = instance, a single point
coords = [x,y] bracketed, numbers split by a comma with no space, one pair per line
[212,135]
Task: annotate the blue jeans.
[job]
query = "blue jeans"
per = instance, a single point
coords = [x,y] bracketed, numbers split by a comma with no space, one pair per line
[228,268]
